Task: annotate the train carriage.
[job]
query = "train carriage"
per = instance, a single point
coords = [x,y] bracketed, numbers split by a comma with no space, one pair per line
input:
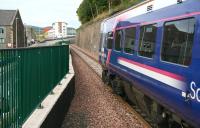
[155,59]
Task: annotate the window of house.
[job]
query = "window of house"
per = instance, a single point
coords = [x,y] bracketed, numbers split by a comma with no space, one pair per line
[2,40]
[178,41]
[1,31]
[118,39]
[147,40]
[129,40]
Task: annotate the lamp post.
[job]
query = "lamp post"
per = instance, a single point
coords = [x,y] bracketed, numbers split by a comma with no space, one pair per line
[16,33]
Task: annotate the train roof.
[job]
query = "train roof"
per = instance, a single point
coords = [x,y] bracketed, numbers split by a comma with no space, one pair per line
[186,8]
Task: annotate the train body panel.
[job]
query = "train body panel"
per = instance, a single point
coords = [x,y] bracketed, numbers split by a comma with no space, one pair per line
[174,84]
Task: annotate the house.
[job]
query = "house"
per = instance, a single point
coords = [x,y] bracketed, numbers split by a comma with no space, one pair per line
[48,32]
[60,29]
[12,34]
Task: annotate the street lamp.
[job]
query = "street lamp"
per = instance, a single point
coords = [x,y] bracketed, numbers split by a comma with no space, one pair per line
[16,32]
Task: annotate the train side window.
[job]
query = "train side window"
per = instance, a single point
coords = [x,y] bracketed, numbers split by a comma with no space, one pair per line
[178,41]
[118,38]
[147,40]
[109,40]
[129,40]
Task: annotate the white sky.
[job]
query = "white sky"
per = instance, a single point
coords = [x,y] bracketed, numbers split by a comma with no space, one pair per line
[44,12]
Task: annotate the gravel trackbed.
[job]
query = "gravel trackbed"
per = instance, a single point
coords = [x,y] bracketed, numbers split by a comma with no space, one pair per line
[95,105]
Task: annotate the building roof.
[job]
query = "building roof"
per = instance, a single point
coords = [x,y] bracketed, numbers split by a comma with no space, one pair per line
[7,17]
[46,29]
[60,22]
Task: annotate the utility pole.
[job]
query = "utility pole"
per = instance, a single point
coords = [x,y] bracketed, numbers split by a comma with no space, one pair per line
[39,35]
[16,33]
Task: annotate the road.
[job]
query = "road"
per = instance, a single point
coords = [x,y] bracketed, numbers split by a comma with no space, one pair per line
[47,43]
[50,43]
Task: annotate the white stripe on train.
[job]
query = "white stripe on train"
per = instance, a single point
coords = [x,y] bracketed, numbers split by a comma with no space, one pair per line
[178,84]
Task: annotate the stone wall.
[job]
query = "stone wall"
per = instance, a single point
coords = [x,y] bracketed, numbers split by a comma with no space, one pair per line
[9,35]
[88,38]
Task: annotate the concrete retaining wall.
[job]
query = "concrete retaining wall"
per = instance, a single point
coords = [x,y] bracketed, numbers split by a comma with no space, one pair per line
[57,114]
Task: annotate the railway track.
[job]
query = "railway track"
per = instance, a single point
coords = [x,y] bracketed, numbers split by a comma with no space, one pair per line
[94,65]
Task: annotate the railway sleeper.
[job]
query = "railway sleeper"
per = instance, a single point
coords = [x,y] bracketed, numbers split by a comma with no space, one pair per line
[152,112]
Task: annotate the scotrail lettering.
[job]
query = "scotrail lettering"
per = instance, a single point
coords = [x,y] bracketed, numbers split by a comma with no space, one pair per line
[195,94]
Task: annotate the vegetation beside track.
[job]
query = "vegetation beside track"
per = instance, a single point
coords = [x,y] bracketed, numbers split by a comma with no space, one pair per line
[93,10]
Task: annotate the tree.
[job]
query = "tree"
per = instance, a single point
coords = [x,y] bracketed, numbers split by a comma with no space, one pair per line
[89,9]
[84,12]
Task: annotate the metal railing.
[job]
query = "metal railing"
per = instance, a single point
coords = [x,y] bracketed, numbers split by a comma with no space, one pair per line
[27,76]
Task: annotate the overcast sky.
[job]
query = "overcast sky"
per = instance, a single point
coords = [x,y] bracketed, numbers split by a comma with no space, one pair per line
[44,12]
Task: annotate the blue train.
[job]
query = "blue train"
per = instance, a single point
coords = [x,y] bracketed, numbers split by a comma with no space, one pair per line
[154,59]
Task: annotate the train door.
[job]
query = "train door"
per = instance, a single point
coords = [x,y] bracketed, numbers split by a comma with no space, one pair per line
[118,39]
[101,48]
[106,47]
[194,81]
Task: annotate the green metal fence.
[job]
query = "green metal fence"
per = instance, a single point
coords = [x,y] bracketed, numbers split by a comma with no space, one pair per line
[27,76]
